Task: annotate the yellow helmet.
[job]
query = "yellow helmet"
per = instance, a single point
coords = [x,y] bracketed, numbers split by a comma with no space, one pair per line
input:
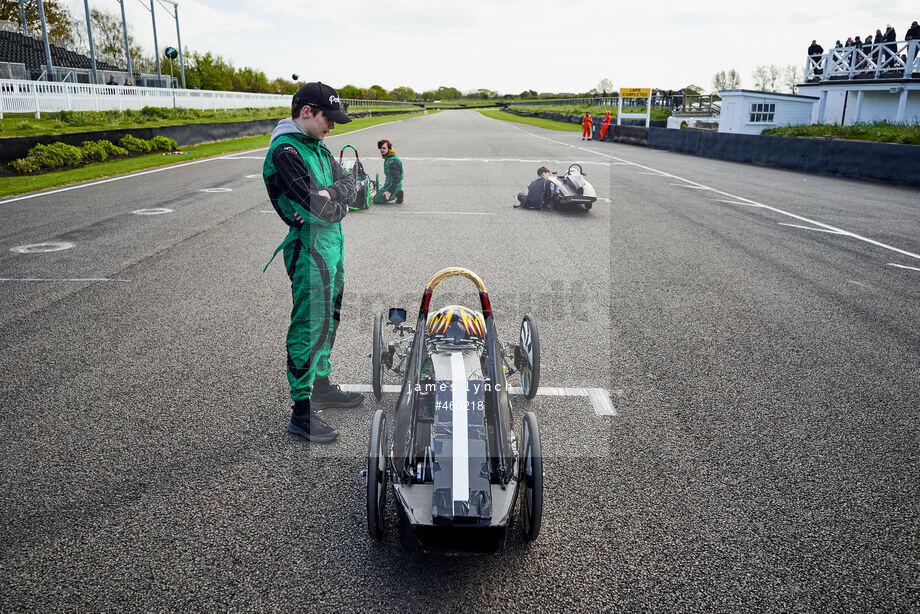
[456,323]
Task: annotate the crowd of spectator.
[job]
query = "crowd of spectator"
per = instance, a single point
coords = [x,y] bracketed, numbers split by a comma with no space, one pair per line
[876,48]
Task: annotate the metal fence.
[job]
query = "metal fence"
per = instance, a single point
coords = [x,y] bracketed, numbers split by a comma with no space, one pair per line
[898,60]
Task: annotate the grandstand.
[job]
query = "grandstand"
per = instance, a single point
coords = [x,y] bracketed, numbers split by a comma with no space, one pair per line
[25,57]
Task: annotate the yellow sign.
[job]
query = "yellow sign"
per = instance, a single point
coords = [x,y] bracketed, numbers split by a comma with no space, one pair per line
[635,92]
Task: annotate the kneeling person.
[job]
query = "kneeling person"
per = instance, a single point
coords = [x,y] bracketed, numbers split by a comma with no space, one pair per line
[392,168]
[537,194]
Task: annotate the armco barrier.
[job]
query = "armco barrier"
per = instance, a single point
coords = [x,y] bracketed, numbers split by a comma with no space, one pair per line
[884,162]
[184,134]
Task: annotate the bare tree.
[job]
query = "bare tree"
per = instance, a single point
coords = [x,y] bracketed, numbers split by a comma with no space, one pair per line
[726,80]
[774,74]
[765,77]
[604,86]
[733,79]
[792,76]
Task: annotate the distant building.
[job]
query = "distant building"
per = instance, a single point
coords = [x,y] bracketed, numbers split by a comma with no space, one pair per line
[752,112]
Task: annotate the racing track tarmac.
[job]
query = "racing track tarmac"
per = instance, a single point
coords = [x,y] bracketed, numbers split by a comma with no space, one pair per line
[766,378]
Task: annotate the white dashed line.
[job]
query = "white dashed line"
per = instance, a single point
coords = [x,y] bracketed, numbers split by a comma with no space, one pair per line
[216,190]
[41,248]
[691,187]
[833,232]
[153,211]
[901,266]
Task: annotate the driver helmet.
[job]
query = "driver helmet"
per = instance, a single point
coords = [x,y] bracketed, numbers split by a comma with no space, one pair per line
[456,323]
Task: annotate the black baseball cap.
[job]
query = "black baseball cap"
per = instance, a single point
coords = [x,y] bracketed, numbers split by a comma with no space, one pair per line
[321,96]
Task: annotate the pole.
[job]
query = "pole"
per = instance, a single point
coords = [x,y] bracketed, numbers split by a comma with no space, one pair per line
[179,40]
[124,27]
[156,48]
[22,17]
[89,32]
[41,14]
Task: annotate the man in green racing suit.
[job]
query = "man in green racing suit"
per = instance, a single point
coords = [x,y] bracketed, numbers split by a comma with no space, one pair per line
[393,169]
[310,191]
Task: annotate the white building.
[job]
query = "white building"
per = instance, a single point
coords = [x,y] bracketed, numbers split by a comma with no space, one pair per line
[752,112]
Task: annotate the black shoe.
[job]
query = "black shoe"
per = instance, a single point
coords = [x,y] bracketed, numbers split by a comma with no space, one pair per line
[330,395]
[399,197]
[312,427]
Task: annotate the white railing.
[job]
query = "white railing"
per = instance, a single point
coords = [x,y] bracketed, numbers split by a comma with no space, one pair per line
[46,97]
[37,97]
[897,60]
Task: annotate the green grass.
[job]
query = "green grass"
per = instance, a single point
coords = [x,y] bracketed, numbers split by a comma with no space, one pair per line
[880,132]
[532,121]
[596,111]
[10,186]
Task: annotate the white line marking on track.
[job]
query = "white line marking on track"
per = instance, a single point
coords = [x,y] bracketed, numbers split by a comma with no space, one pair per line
[748,201]
[655,174]
[119,178]
[599,397]
[243,158]
[435,212]
[901,266]
[735,202]
[216,190]
[426,159]
[75,280]
[691,187]
[253,176]
[41,248]
[833,232]
[153,211]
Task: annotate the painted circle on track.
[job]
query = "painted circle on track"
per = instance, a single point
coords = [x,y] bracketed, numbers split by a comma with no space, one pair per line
[154,211]
[217,190]
[40,248]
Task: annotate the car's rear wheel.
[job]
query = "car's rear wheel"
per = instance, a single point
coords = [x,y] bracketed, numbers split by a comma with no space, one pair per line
[531,478]
[530,347]
[376,475]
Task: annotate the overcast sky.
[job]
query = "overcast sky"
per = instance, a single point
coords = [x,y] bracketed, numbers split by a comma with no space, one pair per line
[510,45]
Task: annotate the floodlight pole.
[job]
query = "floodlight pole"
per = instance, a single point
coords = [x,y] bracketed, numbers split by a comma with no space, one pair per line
[124,28]
[41,14]
[179,40]
[89,32]
[22,17]
[156,48]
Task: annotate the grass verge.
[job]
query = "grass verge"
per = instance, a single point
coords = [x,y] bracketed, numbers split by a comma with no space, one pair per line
[532,121]
[881,132]
[11,186]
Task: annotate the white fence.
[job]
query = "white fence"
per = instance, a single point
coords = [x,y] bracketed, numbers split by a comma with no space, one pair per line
[43,97]
[39,97]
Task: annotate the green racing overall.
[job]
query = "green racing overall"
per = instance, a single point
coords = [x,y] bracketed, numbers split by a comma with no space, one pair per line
[296,168]
[393,169]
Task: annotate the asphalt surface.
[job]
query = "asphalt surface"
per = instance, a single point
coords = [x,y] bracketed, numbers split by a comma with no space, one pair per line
[766,380]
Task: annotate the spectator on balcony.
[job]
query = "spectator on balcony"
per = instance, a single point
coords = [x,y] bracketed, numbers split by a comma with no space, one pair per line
[913,33]
[815,48]
[890,38]
[128,81]
[111,80]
